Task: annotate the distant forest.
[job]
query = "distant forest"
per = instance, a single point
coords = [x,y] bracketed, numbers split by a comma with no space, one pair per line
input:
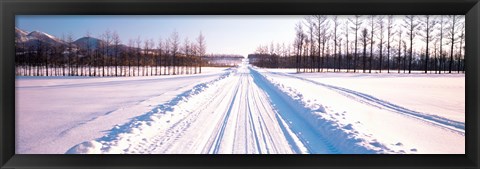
[402,44]
[41,54]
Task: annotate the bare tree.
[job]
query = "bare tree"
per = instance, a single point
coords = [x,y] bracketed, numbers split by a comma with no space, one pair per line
[390,33]
[380,36]
[411,25]
[300,38]
[138,41]
[131,52]
[186,48]
[346,33]
[70,53]
[88,47]
[428,25]
[77,58]
[47,50]
[435,65]
[325,49]
[108,42]
[311,25]
[148,45]
[440,34]
[399,33]
[116,43]
[339,53]
[175,42]
[201,49]
[461,47]
[357,23]
[152,55]
[271,49]
[159,56]
[194,50]
[364,38]
[320,33]
[167,57]
[372,30]
[336,24]
[454,20]
[278,54]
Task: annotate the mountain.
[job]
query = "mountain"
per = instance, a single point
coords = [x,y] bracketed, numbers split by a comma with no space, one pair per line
[36,37]
[44,37]
[94,43]
[89,42]
[21,35]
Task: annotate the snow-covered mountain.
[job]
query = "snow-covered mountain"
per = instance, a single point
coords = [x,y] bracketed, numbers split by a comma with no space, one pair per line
[44,37]
[21,35]
[36,37]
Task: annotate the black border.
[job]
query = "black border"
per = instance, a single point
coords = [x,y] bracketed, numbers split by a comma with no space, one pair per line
[10,8]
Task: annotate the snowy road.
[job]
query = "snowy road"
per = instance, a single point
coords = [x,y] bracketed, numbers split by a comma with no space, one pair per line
[236,119]
[232,115]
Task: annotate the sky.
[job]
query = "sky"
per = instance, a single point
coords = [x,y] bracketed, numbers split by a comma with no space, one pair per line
[223,34]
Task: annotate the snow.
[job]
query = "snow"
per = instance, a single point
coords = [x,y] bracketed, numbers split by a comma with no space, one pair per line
[228,115]
[378,126]
[44,37]
[21,35]
[242,110]
[435,94]
[55,113]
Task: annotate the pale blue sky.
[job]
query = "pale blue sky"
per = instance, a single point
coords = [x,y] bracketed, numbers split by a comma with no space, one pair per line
[224,34]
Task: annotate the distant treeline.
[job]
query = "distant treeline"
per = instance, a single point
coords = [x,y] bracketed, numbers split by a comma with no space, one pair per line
[223,60]
[365,43]
[107,56]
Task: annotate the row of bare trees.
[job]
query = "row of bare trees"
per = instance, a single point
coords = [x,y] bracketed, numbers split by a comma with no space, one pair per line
[427,43]
[107,56]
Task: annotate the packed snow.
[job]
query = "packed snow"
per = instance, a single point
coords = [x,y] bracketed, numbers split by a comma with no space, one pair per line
[242,110]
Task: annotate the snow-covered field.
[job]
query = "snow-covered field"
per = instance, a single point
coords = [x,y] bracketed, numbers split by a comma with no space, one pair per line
[388,112]
[55,113]
[242,110]
[436,94]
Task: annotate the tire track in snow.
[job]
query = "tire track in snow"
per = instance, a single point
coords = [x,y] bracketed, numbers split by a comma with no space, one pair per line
[255,133]
[231,114]
[452,125]
[219,136]
[302,136]
[195,121]
[245,130]
[239,123]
